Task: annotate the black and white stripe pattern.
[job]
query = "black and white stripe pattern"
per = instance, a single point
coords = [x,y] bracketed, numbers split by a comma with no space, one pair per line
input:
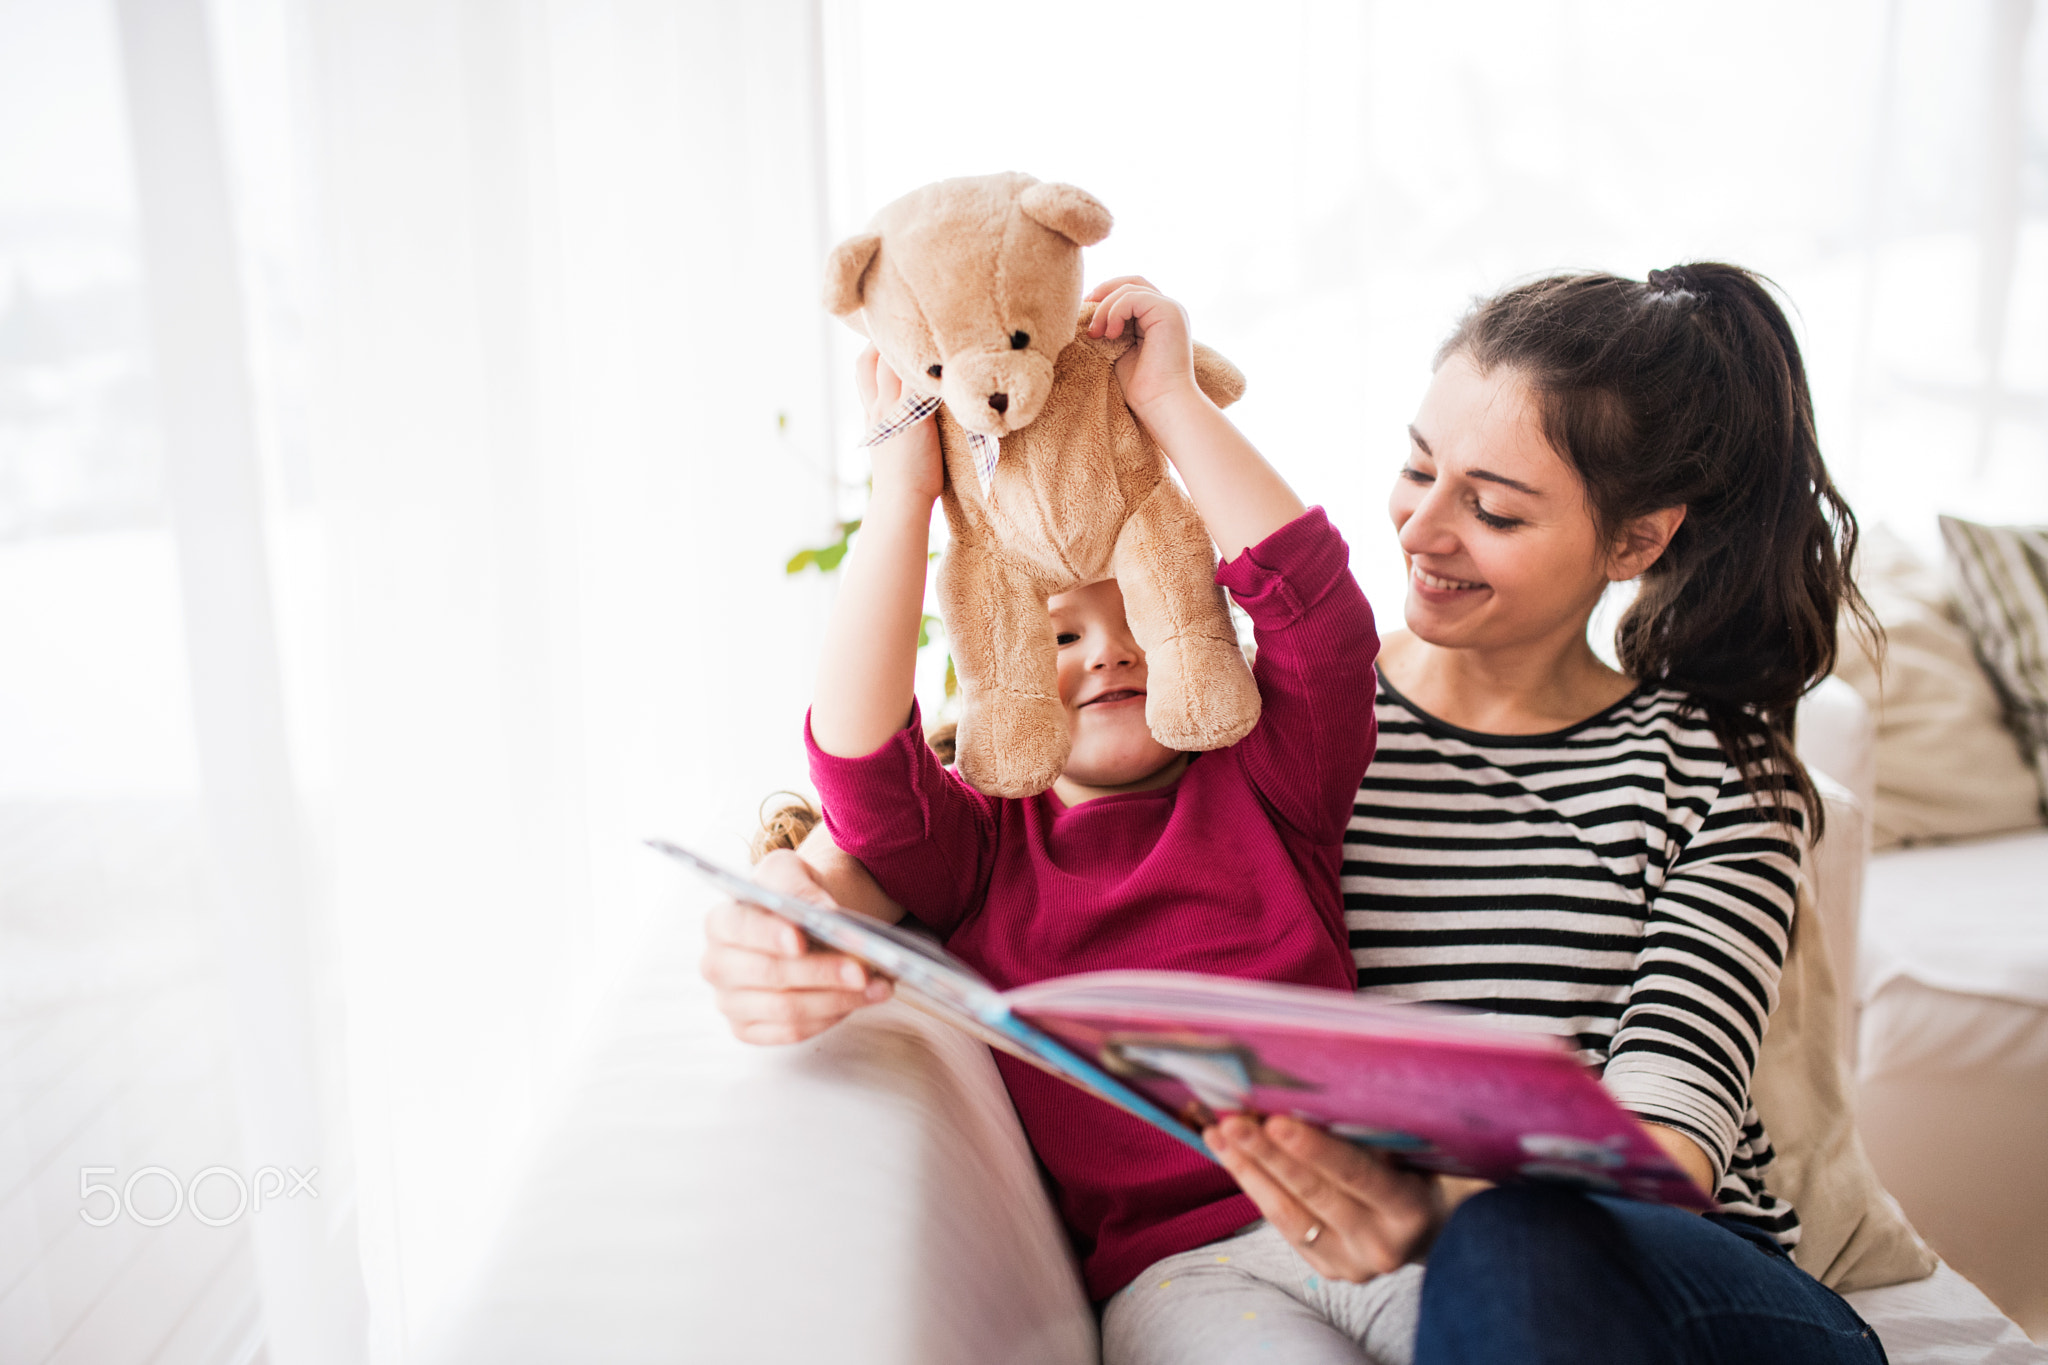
[1611,883]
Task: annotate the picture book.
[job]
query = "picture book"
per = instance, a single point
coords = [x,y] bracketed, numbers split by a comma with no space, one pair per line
[1434,1088]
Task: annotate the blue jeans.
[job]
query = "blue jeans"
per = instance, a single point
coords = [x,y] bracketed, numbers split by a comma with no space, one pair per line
[1531,1274]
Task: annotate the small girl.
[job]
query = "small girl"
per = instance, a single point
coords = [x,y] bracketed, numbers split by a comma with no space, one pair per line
[1138,856]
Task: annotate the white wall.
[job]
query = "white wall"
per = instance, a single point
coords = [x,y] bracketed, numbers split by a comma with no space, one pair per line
[1326,185]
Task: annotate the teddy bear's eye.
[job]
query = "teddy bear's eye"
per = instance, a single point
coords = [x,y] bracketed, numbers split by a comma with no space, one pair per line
[1019,340]
[935,370]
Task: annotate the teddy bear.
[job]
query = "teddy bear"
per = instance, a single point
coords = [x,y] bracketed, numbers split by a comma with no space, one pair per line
[971,290]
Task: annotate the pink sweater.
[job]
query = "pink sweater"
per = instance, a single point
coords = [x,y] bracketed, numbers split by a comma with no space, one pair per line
[1232,870]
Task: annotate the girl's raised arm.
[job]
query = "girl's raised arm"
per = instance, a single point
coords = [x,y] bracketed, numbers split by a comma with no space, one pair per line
[1241,497]
[866,670]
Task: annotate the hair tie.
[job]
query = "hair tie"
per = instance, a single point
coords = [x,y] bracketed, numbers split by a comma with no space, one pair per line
[1673,281]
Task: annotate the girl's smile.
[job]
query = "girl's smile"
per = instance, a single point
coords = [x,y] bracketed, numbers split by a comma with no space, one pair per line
[1114,696]
[1102,686]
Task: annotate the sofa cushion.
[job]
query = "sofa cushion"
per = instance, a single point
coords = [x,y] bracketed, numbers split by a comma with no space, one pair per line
[1852,1235]
[1947,767]
[1953,1087]
[1951,1103]
[1966,917]
[1943,1320]
[2001,577]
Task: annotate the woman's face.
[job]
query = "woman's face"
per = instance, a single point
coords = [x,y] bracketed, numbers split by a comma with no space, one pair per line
[1494,524]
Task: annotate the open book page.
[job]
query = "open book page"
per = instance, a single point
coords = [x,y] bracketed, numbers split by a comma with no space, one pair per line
[931,979]
[1443,1091]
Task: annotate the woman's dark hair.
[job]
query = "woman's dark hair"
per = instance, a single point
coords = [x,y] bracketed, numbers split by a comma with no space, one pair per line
[1688,390]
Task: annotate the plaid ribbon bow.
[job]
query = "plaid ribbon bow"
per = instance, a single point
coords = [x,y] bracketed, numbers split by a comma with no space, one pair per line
[912,410]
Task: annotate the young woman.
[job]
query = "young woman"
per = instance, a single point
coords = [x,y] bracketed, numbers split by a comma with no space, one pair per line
[1606,856]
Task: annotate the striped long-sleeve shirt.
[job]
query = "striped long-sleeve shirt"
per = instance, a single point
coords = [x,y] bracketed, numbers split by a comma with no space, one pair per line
[1612,883]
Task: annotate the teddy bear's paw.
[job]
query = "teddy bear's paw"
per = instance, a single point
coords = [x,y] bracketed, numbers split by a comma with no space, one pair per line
[1014,746]
[1209,701]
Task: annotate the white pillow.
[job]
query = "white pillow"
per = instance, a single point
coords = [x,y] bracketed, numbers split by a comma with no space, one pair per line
[1947,766]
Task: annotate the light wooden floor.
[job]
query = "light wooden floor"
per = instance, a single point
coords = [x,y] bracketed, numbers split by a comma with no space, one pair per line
[110,1055]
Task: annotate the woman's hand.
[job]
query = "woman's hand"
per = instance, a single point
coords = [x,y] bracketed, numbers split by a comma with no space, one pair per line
[1161,367]
[910,462]
[1368,1217]
[772,987]
[1689,1155]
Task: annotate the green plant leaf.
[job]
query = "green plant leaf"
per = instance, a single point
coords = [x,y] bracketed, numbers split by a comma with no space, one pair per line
[824,558]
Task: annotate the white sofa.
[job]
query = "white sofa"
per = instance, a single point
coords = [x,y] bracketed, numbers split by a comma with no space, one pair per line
[1953,1075]
[1950,1023]
[869,1197]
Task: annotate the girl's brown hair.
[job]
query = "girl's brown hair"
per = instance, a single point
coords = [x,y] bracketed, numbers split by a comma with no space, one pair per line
[1688,390]
[788,818]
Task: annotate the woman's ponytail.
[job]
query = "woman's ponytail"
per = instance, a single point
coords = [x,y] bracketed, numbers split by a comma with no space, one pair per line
[1688,390]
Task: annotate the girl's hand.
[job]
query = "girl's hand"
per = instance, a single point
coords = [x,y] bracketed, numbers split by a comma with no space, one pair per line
[1369,1216]
[909,462]
[1242,499]
[1161,367]
[868,665]
[772,986]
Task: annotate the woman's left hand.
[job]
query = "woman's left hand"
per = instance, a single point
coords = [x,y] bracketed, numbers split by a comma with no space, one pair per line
[1352,1215]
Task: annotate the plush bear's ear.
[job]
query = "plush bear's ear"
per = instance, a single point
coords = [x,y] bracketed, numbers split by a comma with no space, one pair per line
[1217,377]
[1073,213]
[844,268]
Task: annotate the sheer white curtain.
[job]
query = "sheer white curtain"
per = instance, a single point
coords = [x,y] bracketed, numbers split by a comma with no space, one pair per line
[489,404]
[530,303]
[568,419]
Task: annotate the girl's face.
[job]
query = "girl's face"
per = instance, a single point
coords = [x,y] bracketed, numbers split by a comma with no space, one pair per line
[1102,685]
[1494,524]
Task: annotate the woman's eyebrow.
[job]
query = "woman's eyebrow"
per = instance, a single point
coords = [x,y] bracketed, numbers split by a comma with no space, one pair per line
[1490,477]
[1485,475]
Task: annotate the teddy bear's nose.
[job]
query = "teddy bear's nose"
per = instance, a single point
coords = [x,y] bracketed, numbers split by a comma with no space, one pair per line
[999,401]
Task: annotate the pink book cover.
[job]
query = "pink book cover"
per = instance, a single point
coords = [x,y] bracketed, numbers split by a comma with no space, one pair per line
[1435,1088]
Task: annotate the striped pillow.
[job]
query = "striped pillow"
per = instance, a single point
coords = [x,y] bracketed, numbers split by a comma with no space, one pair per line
[2001,577]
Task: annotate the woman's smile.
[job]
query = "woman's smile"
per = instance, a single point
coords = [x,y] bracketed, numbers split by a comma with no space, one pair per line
[1441,586]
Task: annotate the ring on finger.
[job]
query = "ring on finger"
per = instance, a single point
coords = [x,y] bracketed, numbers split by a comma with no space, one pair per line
[1315,1230]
